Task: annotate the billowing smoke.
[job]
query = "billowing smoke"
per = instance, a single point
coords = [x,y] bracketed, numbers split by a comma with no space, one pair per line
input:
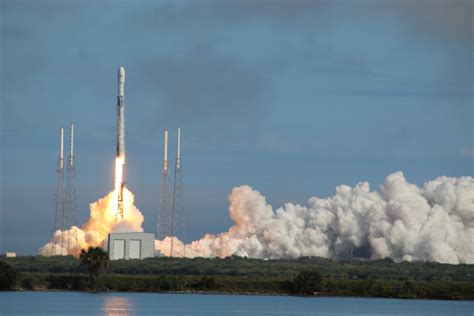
[64,240]
[402,221]
[102,221]
[434,222]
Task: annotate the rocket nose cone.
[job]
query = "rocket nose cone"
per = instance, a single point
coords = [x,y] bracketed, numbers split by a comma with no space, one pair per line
[121,71]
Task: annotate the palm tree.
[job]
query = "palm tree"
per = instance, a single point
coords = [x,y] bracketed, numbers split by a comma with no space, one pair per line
[97,260]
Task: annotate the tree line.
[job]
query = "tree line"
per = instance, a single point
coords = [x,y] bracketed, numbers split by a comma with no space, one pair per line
[304,276]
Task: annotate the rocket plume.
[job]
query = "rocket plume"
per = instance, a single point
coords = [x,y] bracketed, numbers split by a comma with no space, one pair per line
[102,221]
[113,213]
[434,222]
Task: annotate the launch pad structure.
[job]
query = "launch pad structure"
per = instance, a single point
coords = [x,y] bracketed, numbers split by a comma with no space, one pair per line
[64,212]
[59,196]
[178,218]
[70,212]
[171,214]
[163,225]
[171,219]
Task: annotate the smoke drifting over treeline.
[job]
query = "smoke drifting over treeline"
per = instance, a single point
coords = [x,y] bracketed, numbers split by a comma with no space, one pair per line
[434,222]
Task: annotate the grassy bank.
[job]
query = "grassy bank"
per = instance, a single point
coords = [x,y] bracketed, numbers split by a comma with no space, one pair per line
[246,285]
[382,278]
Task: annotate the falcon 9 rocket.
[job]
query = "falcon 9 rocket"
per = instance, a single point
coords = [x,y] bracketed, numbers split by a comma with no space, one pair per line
[120,154]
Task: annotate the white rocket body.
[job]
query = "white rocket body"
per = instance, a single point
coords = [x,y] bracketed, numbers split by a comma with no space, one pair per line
[121,114]
[121,140]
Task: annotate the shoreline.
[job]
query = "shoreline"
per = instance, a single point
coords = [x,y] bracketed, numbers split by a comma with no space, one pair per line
[235,294]
[274,294]
[313,277]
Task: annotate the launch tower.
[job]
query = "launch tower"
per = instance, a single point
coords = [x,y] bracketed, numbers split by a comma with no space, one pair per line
[171,218]
[163,225]
[70,214]
[178,217]
[65,215]
[58,211]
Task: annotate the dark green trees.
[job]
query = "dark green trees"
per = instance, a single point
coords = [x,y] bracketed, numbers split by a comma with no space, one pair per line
[96,260]
[307,283]
[8,277]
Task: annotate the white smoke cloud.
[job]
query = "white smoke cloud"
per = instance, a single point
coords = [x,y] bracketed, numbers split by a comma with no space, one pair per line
[64,243]
[434,222]
[102,221]
[402,221]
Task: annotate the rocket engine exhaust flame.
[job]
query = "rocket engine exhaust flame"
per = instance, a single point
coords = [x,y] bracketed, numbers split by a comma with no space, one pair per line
[119,186]
[102,221]
[113,213]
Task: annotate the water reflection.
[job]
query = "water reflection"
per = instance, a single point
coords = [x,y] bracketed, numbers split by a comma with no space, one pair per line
[117,305]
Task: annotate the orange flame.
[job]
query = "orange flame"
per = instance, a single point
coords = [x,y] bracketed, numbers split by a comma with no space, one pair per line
[102,221]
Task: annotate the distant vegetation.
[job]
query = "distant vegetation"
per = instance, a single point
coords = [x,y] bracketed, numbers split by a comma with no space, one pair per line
[8,277]
[307,283]
[303,276]
[96,260]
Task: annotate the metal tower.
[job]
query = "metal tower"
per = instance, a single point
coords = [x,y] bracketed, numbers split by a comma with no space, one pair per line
[163,225]
[58,216]
[70,213]
[178,217]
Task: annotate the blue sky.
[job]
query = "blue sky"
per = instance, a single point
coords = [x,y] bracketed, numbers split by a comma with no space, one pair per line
[290,97]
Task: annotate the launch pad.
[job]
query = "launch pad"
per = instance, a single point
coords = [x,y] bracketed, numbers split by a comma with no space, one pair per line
[117,208]
[134,245]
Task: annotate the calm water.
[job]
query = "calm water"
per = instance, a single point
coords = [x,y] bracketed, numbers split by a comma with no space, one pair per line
[77,303]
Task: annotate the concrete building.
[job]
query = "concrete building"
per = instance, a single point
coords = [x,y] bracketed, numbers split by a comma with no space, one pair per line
[8,255]
[131,245]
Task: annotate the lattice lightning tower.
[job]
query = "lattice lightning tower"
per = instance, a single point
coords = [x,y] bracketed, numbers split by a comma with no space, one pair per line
[178,216]
[65,215]
[70,214]
[58,212]
[163,226]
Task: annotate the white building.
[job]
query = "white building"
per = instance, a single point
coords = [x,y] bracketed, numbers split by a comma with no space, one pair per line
[131,245]
[9,255]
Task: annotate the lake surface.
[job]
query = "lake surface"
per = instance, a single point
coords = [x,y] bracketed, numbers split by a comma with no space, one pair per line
[79,303]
